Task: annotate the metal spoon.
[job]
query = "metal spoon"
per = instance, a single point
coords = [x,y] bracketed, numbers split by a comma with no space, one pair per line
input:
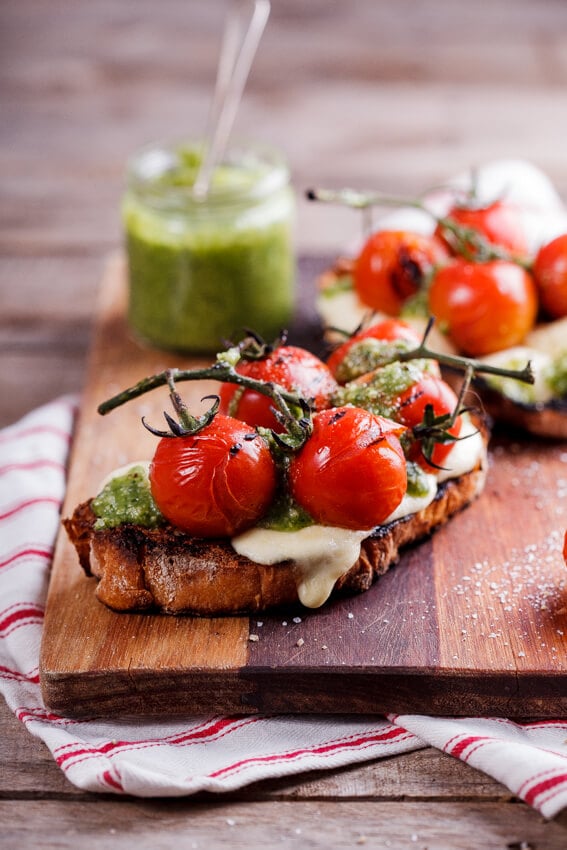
[232,72]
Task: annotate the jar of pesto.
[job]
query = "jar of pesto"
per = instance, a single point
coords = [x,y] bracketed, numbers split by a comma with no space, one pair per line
[201,271]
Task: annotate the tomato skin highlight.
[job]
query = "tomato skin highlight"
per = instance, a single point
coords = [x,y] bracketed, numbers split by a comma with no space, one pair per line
[215,483]
[291,368]
[389,330]
[550,273]
[485,306]
[351,472]
[500,224]
[392,267]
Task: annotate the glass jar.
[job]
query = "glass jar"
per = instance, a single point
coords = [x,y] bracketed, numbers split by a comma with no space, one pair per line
[201,271]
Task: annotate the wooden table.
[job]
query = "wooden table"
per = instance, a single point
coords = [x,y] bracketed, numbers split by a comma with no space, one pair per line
[394,96]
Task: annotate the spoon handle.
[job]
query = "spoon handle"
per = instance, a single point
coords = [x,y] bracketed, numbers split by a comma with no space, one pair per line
[237,54]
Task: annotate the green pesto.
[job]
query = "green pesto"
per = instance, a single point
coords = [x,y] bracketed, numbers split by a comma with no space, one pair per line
[367,355]
[557,376]
[417,480]
[285,514]
[201,272]
[193,292]
[127,499]
[379,393]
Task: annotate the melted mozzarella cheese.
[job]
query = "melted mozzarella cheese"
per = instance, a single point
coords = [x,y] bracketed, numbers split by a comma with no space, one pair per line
[465,453]
[341,310]
[344,310]
[516,358]
[413,504]
[320,554]
[549,338]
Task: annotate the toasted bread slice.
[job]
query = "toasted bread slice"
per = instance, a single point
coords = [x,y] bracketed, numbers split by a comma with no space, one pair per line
[166,570]
[545,419]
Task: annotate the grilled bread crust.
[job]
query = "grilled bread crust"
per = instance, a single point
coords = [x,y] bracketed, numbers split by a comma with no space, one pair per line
[166,570]
[543,420]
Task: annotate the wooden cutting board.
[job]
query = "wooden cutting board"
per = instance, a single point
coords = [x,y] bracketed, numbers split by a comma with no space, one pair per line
[473,621]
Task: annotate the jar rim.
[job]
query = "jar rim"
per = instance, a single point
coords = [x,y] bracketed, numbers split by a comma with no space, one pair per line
[156,170]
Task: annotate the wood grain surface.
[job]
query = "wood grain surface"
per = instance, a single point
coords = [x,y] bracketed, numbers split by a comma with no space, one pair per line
[397,93]
[473,620]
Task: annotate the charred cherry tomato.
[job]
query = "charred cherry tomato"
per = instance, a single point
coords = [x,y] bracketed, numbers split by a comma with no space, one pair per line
[393,266]
[484,307]
[550,273]
[429,390]
[215,483]
[422,388]
[390,330]
[289,367]
[351,472]
[499,223]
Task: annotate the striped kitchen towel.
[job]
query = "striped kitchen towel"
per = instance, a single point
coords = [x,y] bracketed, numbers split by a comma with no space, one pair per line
[185,755]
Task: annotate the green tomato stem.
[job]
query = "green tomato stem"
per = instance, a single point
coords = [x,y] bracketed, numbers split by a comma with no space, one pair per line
[466,241]
[526,375]
[219,371]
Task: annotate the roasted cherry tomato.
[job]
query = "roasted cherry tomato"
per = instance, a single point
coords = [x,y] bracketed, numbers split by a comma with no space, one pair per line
[403,392]
[215,483]
[484,307]
[429,390]
[392,266]
[499,223]
[390,330]
[351,472]
[289,367]
[550,273]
